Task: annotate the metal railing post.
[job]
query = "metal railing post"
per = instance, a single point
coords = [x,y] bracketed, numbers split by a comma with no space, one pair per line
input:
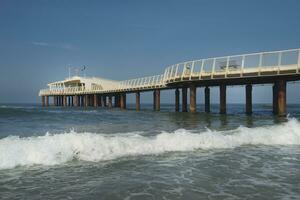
[171,74]
[260,63]
[213,68]
[192,70]
[183,70]
[227,66]
[166,73]
[176,71]
[279,62]
[243,65]
[201,70]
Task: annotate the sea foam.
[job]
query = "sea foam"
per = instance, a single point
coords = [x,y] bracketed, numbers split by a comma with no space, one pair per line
[61,148]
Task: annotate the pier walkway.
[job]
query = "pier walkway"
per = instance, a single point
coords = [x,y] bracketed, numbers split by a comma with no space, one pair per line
[276,68]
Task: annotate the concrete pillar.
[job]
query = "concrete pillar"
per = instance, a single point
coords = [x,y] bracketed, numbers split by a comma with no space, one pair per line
[275,98]
[138,101]
[193,99]
[75,100]
[65,100]
[82,100]
[157,100]
[177,97]
[46,100]
[110,101]
[123,101]
[43,101]
[90,103]
[95,100]
[61,100]
[222,99]
[184,99]
[248,99]
[69,100]
[58,100]
[99,100]
[154,99]
[117,101]
[207,99]
[86,100]
[281,96]
[104,101]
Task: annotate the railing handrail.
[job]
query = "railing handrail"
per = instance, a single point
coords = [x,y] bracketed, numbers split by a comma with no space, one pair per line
[232,56]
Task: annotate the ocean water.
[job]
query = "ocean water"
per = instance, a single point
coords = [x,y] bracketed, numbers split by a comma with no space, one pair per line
[76,153]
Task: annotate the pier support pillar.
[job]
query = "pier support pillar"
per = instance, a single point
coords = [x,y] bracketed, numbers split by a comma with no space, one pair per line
[157,100]
[275,98]
[138,101]
[281,98]
[248,99]
[193,99]
[177,97]
[184,99]
[82,104]
[65,100]
[117,101]
[58,100]
[79,101]
[47,101]
[110,101]
[99,100]
[222,99]
[69,101]
[91,100]
[43,101]
[95,100]
[154,99]
[86,100]
[207,99]
[123,101]
[104,101]
[75,100]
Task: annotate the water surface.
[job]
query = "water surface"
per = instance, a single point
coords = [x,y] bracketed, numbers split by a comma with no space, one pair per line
[75,153]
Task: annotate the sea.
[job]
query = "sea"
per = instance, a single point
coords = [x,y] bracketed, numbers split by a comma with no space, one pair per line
[100,153]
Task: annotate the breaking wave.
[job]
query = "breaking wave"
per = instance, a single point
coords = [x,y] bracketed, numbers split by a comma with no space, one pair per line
[61,148]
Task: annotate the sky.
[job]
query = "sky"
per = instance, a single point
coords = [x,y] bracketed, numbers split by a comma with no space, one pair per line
[124,39]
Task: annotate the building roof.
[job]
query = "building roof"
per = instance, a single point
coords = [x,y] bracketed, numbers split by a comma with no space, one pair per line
[88,82]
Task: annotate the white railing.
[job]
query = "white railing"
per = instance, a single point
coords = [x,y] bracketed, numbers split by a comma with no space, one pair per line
[133,84]
[62,90]
[246,65]
[237,66]
[142,83]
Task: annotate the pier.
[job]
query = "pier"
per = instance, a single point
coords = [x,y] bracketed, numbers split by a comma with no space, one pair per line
[275,68]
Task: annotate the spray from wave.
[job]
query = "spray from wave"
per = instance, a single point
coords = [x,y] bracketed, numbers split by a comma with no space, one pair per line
[61,148]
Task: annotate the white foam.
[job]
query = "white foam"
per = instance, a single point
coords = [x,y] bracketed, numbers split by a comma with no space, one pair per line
[61,148]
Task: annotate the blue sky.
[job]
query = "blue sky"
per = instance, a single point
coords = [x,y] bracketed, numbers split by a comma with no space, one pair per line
[128,39]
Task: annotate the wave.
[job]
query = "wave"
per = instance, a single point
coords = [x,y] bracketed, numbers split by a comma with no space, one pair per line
[61,148]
